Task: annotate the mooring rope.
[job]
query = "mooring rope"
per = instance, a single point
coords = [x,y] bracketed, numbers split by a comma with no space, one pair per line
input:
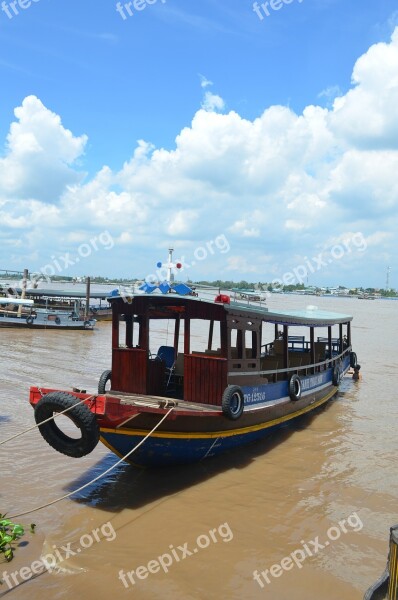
[28,512]
[58,414]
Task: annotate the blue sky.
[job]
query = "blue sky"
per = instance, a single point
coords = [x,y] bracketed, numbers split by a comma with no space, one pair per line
[277,134]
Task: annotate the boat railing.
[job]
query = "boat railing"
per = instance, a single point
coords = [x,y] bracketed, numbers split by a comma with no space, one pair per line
[330,361]
[300,344]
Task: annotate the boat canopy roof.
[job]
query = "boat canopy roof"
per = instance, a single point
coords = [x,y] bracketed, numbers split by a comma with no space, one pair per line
[310,317]
[19,301]
[71,294]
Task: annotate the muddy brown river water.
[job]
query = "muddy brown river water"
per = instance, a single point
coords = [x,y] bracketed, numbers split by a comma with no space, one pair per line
[310,507]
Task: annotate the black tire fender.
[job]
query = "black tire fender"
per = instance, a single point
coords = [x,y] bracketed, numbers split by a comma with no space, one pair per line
[57,320]
[353,360]
[103,380]
[295,388]
[81,416]
[336,375]
[29,320]
[233,402]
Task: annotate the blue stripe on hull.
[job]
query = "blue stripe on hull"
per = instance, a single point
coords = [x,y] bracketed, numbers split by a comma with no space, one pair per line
[172,450]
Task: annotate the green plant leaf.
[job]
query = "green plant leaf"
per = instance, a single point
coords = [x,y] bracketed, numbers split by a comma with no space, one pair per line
[7,539]
[9,532]
[5,523]
[9,555]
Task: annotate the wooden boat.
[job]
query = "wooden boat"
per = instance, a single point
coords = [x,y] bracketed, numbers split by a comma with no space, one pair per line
[65,299]
[255,372]
[22,313]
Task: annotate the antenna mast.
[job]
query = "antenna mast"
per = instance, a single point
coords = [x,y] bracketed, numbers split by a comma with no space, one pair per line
[388,279]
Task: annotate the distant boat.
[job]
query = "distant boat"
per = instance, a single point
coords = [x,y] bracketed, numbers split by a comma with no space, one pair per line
[17,312]
[249,295]
[65,299]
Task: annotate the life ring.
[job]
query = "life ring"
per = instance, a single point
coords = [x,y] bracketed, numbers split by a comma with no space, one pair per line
[57,320]
[336,375]
[295,388]
[29,320]
[353,360]
[232,402]
[103,380]
[81,416]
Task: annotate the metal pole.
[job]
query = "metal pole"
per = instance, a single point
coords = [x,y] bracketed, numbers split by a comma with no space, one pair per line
[169,266]
[87,297]
[24,286]
[386,587]
[393,564]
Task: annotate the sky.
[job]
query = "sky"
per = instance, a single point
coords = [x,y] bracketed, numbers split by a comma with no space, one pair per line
[259,140]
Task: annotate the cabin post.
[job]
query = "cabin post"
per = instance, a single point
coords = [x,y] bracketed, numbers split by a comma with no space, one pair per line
[210,341]
[255,345]
[176,335]
[115,326]
[286,347]
[312,348]
[239,342]
[330,342]
[187,336]
[276,331]
[341,337]
[349,333]
[129,331]
[224,339]
[144,333]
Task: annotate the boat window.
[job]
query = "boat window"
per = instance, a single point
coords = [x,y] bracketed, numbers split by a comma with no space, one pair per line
[162,333]
[267,337]
[251,344]
[129,331]
[205,337]
[122,333]
[236,345]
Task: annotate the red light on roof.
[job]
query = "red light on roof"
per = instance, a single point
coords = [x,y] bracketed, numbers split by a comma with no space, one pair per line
[222,299]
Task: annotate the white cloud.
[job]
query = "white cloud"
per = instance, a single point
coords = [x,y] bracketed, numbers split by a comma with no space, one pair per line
[40,153]
[367,116]
[276,186]
[204,82]
[213,102]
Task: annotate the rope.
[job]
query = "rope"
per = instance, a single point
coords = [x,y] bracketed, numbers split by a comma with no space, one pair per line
[58,414]
[28,512]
